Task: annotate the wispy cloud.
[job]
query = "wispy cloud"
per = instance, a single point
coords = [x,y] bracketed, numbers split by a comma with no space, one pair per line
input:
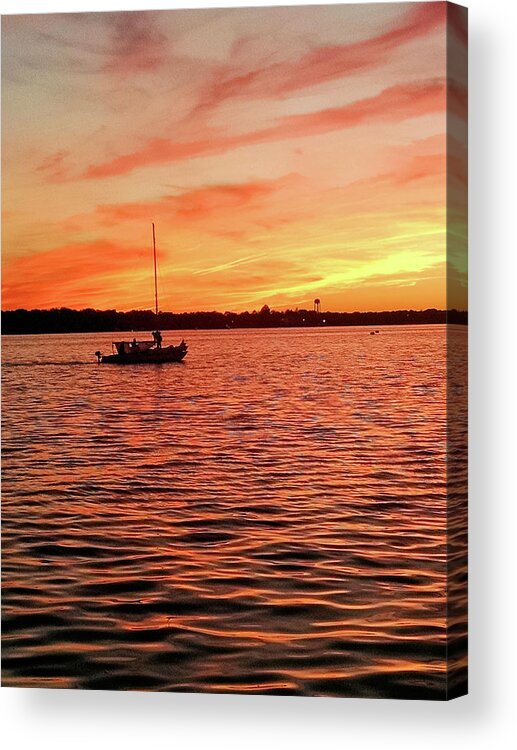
[231,264]
[54,166]
[319,65]
[136,44]
[394,104]
[56,276]
[195,205]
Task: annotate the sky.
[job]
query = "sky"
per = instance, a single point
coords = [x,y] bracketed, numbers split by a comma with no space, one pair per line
[284,154]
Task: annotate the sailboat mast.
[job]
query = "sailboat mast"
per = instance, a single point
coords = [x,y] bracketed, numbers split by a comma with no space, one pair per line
[155,275]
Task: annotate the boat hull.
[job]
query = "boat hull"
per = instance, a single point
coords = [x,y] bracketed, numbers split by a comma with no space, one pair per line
[153,356]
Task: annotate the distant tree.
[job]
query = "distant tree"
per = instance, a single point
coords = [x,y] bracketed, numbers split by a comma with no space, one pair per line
[65,320]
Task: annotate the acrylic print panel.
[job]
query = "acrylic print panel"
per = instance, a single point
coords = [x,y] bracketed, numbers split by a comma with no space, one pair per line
[234,350]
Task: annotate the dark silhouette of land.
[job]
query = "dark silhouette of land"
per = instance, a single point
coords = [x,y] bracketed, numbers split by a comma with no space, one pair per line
[65,320]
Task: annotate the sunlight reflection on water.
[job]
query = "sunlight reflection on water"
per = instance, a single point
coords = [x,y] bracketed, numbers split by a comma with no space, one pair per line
[268,516]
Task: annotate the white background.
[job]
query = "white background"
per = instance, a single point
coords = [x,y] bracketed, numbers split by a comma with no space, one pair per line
[75,719]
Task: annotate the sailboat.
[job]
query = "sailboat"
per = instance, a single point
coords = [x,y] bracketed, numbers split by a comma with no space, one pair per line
[142,352]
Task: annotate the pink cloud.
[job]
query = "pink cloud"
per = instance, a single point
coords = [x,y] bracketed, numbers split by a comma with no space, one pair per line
[199,203]
[320,65]
[394,104]
[71,274]
[54,166]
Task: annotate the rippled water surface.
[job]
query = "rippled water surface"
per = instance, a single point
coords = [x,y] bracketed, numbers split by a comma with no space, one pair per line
[267,517]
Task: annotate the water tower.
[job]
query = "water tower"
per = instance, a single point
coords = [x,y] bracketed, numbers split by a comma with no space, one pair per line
[317,305]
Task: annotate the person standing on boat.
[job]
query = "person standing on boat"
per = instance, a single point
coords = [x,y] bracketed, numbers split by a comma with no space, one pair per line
[158,339]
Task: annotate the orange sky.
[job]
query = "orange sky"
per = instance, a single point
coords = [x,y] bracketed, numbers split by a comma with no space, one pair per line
[284,154]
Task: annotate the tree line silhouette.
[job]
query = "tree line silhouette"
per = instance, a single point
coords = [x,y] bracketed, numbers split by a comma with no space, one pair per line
[65,320]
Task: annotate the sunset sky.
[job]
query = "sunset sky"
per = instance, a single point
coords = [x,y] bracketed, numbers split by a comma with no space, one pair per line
[283,153]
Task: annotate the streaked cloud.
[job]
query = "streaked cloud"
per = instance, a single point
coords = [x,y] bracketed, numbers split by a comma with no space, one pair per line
[319,65]
[136,44]
[394,104]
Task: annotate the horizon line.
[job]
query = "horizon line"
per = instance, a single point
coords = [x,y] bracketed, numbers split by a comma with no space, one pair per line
[234,312]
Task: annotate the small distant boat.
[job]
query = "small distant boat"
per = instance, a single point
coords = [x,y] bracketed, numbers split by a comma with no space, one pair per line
[142,352]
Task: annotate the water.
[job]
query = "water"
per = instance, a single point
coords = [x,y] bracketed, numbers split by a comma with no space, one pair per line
[266,517]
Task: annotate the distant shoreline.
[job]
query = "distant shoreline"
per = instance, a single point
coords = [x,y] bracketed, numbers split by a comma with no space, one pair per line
[65,320]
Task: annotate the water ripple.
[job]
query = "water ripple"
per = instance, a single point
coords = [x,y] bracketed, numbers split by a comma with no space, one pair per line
[268,518]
